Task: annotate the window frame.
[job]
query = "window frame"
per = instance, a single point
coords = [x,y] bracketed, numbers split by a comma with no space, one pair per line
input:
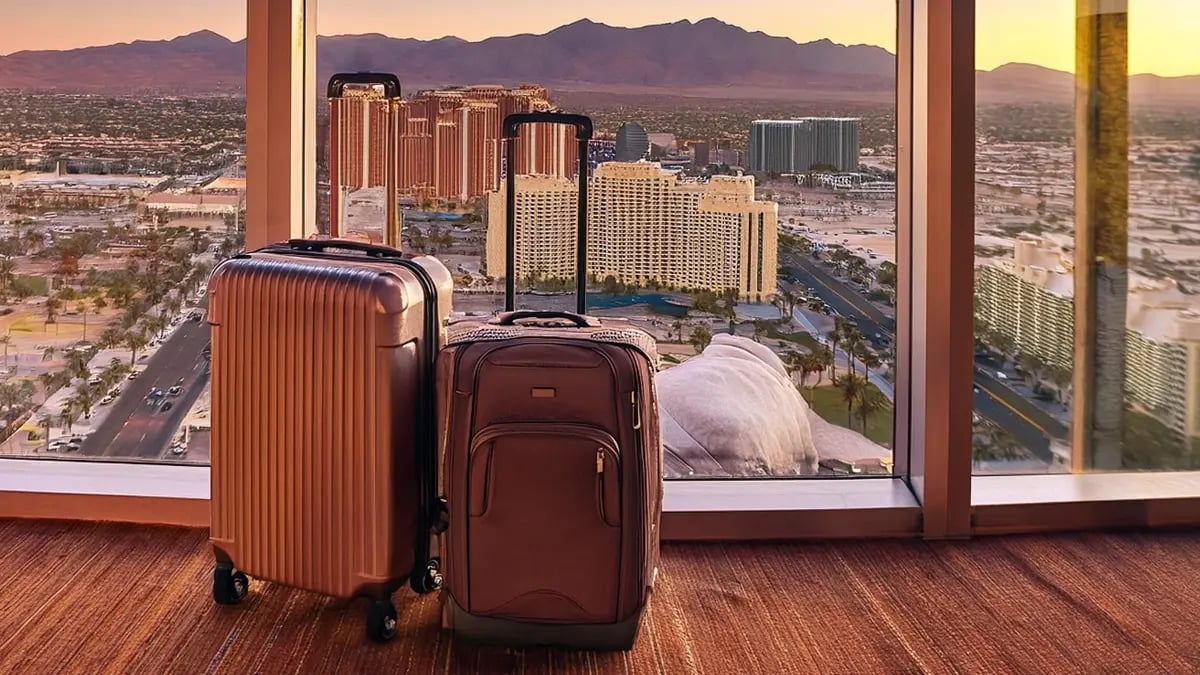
[932,492]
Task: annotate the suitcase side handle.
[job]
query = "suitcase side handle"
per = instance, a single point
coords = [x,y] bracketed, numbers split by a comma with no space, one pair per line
[390,83]
[511,318]
[583,135]
[318,245]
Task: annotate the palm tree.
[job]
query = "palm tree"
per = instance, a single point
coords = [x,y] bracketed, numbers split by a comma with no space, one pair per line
[778,303]
[85,400]
[135,340]
[53,305]
[759,330]
[48,353]
[701,337]
[83,308]
[822,359]
[68,414]
[6,341]
[851,386]
[869,360]
[77,363]
[870,401]
[48,380]
[44,422]
[835,339]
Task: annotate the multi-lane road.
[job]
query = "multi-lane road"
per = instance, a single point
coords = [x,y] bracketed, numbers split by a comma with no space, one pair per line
[137,428]
[1029,424]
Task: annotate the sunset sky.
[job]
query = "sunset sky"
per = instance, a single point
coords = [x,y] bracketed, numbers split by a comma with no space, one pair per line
[1163,33]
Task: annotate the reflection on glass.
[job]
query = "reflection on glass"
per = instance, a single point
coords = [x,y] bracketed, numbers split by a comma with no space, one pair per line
[114,206]
[1084,312]
[751,220]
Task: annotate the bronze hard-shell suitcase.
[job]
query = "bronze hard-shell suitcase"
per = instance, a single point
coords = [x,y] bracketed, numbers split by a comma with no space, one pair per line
[552,466]
[323,447]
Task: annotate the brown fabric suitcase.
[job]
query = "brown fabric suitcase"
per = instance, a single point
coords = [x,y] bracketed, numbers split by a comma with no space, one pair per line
[552,470]
[323,446]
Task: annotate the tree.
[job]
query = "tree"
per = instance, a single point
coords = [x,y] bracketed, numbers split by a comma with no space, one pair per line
[48,353]
[85,400]
[48,380]
[851,387]
[45,423]
[701,338]
[870,401]
[6,341]
[52,306]
[68,415]
[729,298]
[135,340]
[77,363]
[869,360]
[759,330]
[886,275]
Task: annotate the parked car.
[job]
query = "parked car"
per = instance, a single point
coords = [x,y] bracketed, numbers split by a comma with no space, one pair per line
[166,406]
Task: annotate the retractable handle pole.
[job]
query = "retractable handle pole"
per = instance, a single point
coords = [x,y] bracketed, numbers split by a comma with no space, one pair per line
[583,134]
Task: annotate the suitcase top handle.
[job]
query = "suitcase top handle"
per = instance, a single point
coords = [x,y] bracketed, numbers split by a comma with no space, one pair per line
[582,123]
[316,245]
[390,83]
[511,318]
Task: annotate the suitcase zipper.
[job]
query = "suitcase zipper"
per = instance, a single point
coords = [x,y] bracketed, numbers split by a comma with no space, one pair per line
[637,413]
[599,460]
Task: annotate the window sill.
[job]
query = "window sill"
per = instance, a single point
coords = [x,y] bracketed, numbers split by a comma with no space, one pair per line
[1060,502]
[142,492]
[693,510]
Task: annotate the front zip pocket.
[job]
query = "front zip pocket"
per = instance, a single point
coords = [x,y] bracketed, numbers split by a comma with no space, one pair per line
[544,537]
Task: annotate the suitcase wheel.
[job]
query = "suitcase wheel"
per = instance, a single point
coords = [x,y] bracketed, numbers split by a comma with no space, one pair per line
[229,585]
[429,579]
[381,620]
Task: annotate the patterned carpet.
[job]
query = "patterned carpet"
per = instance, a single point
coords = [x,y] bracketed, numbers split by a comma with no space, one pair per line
[88,598]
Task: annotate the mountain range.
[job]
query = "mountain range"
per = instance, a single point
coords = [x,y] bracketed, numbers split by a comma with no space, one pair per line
[707,59]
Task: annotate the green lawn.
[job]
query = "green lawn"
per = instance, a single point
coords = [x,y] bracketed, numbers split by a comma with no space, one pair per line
[38,285]
[827,402]
[802,338]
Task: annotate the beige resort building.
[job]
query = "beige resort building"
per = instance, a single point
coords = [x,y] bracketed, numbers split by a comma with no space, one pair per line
[645,226]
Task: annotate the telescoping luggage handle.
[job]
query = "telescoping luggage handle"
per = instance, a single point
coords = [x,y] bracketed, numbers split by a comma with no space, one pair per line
[583,134]
[389,82]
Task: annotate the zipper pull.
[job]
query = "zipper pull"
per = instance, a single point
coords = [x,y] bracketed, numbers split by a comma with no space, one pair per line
[599,460]
[637,413]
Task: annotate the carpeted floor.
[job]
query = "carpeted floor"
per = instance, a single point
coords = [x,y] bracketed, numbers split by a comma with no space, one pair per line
[88,598]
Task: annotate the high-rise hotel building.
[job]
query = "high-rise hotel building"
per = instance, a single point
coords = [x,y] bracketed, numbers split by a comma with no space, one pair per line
[444,144]
[644,226]
[796,146]
[1030,298]
[362,153]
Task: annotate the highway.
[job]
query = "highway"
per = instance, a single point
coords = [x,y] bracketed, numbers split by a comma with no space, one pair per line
[135,428]
[1026,422]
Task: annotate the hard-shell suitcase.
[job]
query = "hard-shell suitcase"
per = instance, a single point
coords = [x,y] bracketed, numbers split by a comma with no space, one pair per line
[323,446]
[552,465]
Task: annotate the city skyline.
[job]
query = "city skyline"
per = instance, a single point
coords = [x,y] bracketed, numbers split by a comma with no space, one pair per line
[1046,30]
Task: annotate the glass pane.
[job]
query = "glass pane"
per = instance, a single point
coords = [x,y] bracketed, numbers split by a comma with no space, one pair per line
[1086,247]
[740,199]
[121,185]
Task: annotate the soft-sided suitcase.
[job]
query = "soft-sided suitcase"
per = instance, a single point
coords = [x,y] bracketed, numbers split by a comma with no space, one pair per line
[323,447]
[552,465]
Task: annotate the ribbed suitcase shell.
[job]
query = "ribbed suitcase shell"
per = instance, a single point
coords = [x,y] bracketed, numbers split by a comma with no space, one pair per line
[315,373]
